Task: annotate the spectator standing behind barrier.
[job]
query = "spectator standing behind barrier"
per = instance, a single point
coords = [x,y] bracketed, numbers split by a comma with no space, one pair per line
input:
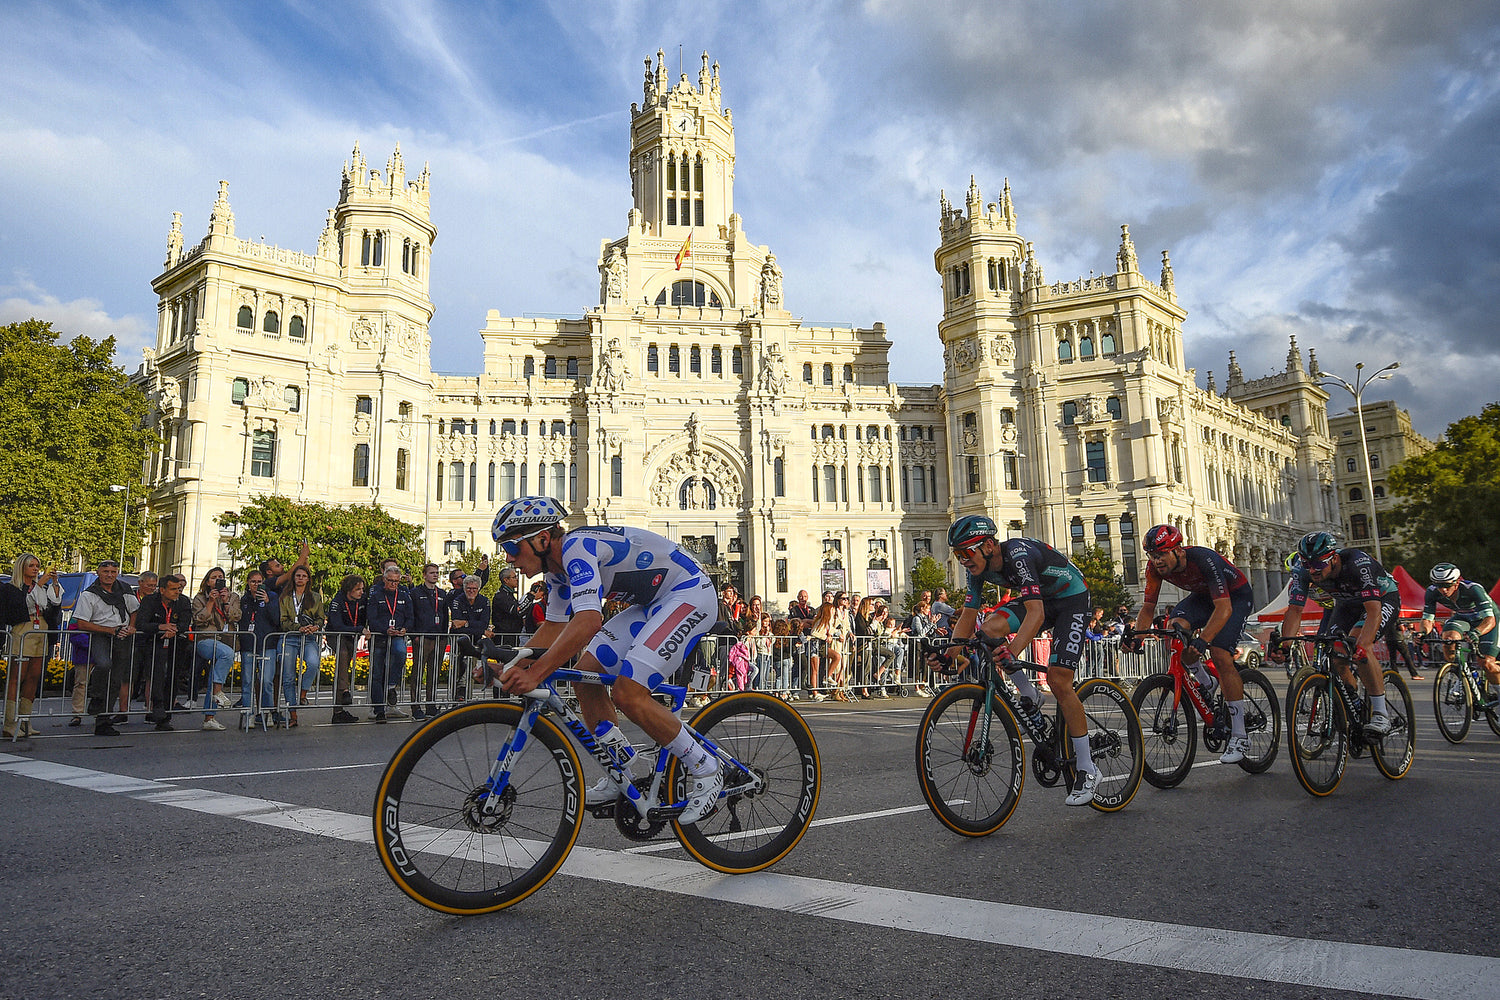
[216,612]
[260,621]
[140,682]
[508,609]
[277,576]
[537,613]
[31,599]
[430,623]
[165,619]
[303,617]
[943,613]
[346,621]
[106,611]
[390,611]
[469,620]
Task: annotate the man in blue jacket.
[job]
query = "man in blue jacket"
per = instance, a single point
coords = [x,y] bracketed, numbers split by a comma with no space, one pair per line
[390,618]
[430,625]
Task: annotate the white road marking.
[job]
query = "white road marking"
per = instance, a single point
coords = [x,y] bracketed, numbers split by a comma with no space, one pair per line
[256,774]
[830,821]
[1401,972]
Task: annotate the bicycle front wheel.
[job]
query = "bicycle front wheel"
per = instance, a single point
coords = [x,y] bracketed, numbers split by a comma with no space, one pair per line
[754,828]
[1114,742]
[1398,748]
[1320,752]
[971,779]
[1452,703]
[1169,731]
[435,837]
[1262,722]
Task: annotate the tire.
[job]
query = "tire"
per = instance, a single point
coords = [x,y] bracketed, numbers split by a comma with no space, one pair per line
[1115,740]
[751,832]
[1262,722]
[429,836]
[1395,752]
[1169,731]
[1315,734]
[1492,716]
[1452,703]
[971,787]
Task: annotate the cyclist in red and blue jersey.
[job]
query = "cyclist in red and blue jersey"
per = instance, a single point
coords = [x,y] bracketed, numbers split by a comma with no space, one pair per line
[1049,593]
[1218,602]
[670,604]
[1364,597]
[1472,610]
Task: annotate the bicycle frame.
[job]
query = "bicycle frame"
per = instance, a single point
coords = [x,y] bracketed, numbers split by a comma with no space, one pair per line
[1046,751]
[545,698]
[1466,653]
[1323,665]
[1182,680]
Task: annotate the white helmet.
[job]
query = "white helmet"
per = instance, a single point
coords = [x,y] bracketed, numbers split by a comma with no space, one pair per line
[1444,574]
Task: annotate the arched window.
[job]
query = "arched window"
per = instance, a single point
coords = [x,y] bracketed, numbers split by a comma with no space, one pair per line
[689,293]
[507,427]
[558,430]
[807,375]
[1380,493]
[1070,413]
[295,329]
[1355,493]
[848,373]
[1064,350]
[1350,465]
[456,481]
[507,481]
[364,250]
[697,493]
[1374,461]
[361,465]
[827,431]
[1085,347]
[1112,407]
[246,318]
[528,366]
[1106,343]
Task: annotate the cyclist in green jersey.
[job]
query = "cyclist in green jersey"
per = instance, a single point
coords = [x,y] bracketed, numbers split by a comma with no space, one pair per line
[1471,608]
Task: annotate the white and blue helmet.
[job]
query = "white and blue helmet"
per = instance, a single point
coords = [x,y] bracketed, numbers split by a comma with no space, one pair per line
[526,516]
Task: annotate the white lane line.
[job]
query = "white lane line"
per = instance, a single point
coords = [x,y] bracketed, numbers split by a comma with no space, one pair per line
[1401,972]
[830,821]
[257,774]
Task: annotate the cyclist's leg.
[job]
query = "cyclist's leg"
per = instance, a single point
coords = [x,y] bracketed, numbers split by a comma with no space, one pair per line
[1001,624]
[1369,669]
[1068,623]
[1489,648]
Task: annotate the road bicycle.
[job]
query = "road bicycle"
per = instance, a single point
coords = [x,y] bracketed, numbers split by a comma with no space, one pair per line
[480,806]
[1458,691]
[1168,702]
[1327,718]
[971,763]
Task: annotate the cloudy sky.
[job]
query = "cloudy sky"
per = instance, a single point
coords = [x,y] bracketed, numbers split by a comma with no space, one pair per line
[1319,168]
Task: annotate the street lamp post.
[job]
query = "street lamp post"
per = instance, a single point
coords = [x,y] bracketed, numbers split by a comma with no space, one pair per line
[124,518]
[1361,383]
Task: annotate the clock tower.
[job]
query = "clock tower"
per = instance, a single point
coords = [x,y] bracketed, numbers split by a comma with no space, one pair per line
[682,153]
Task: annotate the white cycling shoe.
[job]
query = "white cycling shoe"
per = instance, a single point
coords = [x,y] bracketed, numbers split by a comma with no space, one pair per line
[1235,750]
[1083,792]
[602,792]
[1379,725]
[702,795]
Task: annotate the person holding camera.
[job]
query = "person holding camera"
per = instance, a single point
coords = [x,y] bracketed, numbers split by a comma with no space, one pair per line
[106,611]
[302,611]
[260,621]
[216,613]
[390,617]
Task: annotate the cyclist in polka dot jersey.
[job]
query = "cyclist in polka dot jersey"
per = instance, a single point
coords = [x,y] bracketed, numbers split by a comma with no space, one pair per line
[670,604]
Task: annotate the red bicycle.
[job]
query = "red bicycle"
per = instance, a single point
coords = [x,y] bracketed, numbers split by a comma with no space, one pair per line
[1167,717]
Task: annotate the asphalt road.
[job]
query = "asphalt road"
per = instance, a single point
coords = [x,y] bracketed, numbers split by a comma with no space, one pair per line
[220,864]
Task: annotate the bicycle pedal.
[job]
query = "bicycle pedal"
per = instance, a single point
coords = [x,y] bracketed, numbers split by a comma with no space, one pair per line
[605,811]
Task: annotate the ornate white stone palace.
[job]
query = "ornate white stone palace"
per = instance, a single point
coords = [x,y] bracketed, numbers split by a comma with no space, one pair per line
[690,400]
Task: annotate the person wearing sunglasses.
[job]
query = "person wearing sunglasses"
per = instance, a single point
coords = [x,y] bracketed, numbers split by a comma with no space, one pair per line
[1471,610]
[1049,592]
[669,604]
[1218,601]
[1364,597]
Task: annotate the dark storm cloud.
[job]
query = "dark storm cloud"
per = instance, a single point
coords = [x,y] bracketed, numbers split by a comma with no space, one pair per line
[1432,244]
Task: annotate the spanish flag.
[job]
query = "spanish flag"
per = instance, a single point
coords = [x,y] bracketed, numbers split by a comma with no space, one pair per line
[686,251]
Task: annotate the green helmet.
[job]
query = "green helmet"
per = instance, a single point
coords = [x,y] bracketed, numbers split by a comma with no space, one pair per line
[967,529]
[1316,545]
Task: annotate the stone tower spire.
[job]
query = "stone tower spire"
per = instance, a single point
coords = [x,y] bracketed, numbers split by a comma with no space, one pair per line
[221,219]
[972,203]
[1007,210]
[1033,277]
[1294,358]
[1125,258]
[174,241]
[395,169]
[1168,283]
[1312,363]
[1211,386]
[1236,377]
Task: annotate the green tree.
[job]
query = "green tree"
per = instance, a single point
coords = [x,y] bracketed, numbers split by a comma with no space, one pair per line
[929,574]
[1106,587]
[72,425]
[1451,501]
[341,539]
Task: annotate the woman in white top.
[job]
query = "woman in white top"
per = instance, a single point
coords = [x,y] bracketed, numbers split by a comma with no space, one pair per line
[30,640]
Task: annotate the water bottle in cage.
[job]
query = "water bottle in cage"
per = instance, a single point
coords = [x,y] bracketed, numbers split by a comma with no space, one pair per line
[608,736]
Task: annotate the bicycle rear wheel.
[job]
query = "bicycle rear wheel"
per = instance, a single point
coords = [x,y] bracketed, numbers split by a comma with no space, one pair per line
[1320,752]
[1169,731]
[1114,742]
[972,781]
[1397,749]
[752,830]
[1262,722]
[431,833]
[1452,703]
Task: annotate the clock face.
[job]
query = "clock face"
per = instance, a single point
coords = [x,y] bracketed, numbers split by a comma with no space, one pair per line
[683,123]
